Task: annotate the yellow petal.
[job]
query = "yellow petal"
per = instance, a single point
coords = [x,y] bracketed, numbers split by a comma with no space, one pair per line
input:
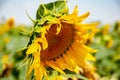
[32,48]
[80,61]
[82,17]
[71,16]
[54,66]
[75,12]
[61,63]
[90,57]
[43,41]
[69,61]
[30,69]
[79,50]
[38,67]
[38,71]
[89,49]
[44,71]
[88,25]
[77,62]
[58,28]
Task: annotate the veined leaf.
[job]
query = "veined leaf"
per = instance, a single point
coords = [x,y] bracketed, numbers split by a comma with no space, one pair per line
[53,8]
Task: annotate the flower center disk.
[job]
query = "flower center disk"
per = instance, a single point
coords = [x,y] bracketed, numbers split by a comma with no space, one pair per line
[57,43]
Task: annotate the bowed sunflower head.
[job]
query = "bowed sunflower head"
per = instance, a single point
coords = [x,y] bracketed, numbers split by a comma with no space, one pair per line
[58,40]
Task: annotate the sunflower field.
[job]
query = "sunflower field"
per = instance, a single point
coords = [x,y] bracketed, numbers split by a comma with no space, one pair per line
[59,46]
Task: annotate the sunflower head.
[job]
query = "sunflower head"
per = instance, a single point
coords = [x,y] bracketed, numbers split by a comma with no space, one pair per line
[7,27]
[58,40]
[106,29]
[10,22]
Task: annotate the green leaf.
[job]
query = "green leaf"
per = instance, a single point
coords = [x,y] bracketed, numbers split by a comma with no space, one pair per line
[1,66]
[37,29]
[54,8]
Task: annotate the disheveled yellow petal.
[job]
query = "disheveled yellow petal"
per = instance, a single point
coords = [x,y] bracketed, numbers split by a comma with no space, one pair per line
[82,17]
[38,72]
[77,58]
[71,16]
[61,63]
[30,68]
[69,61]
[43,41]
[90,57]
[38,69]
[77,62]
[45,73]
[90,25]
[89,49]
[54,66]
[58,28]
[79,50]
[32,48]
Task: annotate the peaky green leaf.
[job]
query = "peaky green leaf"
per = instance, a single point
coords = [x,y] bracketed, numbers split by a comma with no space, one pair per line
[56,9]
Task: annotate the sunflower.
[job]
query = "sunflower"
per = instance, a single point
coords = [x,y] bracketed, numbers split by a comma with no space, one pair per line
[106,29]
[59,41]
[8,26]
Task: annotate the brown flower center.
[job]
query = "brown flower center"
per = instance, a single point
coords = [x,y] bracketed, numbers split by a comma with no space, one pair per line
[57,43]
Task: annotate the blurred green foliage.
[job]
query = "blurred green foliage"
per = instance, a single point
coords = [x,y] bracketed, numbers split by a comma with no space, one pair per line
[107,42]
[11,40]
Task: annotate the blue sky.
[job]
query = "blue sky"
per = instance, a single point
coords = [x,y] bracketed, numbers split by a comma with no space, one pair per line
[106,11]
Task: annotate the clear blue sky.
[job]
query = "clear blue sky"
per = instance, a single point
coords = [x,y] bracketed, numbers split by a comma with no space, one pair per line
[106,11]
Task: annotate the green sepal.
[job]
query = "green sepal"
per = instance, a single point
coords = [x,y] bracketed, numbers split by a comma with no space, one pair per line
[48,19]
[37,29]
[32,37]
[55,9]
